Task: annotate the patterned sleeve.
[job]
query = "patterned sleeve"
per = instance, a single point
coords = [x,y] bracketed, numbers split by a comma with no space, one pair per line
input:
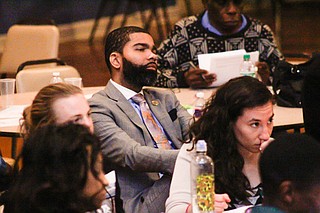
[170,71]
[271,53]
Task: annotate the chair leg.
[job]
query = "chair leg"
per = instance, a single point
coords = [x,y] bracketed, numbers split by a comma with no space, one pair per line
[157,19]
[166,17]
[154,15]
[96,21]
[126,13]
[14,147]
[142,15]
[188,7]
[110,23]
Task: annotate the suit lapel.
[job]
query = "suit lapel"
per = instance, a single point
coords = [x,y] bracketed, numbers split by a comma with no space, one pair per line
[114,94]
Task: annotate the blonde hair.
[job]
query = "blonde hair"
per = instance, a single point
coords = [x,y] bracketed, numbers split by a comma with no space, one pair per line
[40,112]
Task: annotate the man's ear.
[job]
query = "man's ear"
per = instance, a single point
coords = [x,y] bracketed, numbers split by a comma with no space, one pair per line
[286,191]
[115,60]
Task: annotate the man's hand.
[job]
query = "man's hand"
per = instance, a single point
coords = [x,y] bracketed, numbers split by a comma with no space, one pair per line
[263,72]
[199,78]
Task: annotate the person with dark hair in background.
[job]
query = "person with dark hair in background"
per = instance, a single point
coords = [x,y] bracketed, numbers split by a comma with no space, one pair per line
[237,122]
[140,128]
[61,172]
[221,27]
[290,172]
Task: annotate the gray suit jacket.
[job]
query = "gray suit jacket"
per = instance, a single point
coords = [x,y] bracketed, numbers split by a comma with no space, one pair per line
[127,145]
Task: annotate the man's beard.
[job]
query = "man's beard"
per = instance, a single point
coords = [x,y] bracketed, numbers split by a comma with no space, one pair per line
[138,75]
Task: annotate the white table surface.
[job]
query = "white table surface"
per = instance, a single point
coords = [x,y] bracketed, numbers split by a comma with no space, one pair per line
[283,116]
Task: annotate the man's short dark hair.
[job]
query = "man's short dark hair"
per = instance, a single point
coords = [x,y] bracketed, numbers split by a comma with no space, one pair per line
[117,39]
[291,157]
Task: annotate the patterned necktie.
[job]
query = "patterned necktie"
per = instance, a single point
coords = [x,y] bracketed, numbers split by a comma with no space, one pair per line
[157,134]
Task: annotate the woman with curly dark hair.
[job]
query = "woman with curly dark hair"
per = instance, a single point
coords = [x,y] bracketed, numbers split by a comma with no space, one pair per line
[236,124]
[61,172]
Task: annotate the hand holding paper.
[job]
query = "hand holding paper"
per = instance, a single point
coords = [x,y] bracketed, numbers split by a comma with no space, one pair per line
[199,78]
[225,65]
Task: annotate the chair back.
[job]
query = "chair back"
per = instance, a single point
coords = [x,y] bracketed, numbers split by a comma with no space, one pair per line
[28,42]
[34,79]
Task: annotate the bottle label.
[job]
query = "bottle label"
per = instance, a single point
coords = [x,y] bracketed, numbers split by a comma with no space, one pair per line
[205,192]
[251,74]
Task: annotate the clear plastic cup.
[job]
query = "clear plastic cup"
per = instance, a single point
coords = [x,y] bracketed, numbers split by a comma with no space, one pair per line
[74,81]
[7,86]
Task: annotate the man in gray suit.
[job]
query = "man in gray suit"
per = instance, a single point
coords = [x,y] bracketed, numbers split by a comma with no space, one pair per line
[143,169]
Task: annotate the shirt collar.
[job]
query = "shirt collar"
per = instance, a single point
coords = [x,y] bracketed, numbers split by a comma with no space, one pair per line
[206,24]
[127,93]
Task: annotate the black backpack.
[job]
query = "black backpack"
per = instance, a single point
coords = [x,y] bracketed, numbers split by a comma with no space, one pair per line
[288,80]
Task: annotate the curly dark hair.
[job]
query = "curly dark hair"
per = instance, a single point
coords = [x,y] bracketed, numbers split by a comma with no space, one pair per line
[117,39]
[291,157]
[216,128]
[55,163]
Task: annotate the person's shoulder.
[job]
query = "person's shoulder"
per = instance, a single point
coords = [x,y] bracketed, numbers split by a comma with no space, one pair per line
[99,99]
[158,91]
[186,21]
[251,19]
[187,146]
[256,23]
[255,26]
[97,96]
[163,94]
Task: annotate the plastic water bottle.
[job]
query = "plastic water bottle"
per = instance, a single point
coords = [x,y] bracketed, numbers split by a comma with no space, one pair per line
[202,180]
[56,78]
[247,68]
[199,104]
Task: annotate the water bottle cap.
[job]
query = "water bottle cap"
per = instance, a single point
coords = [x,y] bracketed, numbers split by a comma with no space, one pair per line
[246,57]
[200,95]
[201,146]
[56,74]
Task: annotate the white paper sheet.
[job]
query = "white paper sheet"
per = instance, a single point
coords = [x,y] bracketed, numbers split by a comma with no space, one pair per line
[14,111]
[225,65]
[11,115]
[9,122]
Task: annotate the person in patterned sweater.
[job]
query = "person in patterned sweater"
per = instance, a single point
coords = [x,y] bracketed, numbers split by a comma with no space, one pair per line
[221,27]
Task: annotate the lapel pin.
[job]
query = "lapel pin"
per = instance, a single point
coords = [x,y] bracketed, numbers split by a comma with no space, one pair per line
[155,103]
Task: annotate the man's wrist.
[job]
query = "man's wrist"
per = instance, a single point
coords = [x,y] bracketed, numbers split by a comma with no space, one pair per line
[181,79]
